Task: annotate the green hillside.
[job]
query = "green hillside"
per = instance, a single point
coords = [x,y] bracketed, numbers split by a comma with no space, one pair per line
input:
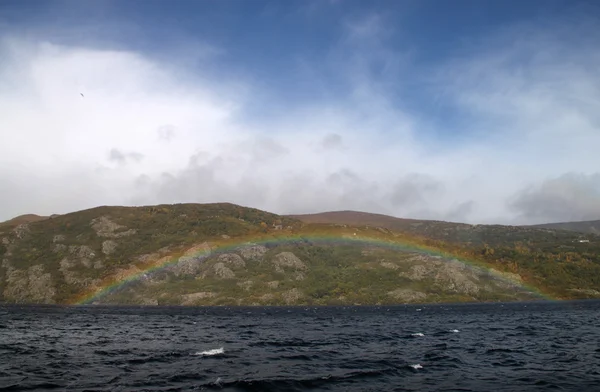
[224,254]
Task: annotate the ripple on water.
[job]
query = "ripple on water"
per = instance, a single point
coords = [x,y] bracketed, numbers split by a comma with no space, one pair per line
[484,347]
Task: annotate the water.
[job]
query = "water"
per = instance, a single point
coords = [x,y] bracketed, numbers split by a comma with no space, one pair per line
[484,347]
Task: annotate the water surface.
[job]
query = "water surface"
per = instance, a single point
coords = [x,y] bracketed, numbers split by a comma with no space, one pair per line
[469,347]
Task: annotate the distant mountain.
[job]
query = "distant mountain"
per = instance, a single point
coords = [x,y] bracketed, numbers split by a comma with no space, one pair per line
[357,218]
[460,233]
[225,254]
[592,227]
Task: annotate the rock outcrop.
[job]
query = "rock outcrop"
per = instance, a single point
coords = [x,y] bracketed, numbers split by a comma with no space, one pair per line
[407,295]
[253,252]
[288,261]
[223,272]
[30,285]
[194,298]
[232,259]
[104,227]
[191,261]
[291,297]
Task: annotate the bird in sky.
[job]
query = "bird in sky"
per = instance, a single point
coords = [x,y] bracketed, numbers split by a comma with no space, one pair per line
[81,94]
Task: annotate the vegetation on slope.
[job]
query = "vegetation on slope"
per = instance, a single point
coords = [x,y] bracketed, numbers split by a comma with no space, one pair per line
[563,263]
[209,259]
[22,219]
[592,227]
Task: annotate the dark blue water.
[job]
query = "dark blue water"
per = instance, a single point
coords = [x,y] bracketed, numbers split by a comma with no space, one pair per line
[491,347]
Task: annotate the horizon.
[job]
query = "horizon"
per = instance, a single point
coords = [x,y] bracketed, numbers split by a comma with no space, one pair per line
[466,111]
[288,215]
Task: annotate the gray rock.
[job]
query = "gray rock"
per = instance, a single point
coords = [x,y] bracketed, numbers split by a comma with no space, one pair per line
[247,285]
[292,296]
[288,260]
[108,247]
[388,265]
[187,266]
[104,227]
[192,260]
[29,286]
[232,259]
[82,251]
[407,295]
[253,252]
[267,297]
[98,264]
[454,276]
[223,272]
[195,298]
[58,248]
[21,231]
[273,284]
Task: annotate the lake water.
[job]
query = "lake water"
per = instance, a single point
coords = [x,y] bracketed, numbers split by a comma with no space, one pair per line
[470,347]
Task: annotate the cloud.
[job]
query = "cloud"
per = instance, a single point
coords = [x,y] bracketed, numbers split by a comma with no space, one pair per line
[166,132]
[415,189]
[365,28]
[518,108]
[116,155]
[332,141]
[461,212]
[570,197]
[534,87]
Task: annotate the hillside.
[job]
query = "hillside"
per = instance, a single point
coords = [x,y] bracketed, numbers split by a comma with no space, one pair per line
[592,227]
[224,254]
[438,229]
[460,233]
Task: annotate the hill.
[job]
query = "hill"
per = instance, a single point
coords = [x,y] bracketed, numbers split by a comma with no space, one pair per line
[224,254]
[21,219]
[357,218]
[450,231]
[592,227]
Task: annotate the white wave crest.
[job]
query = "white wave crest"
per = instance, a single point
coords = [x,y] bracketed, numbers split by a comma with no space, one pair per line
[417,334]
[214,351]
[454,330]
[416,366]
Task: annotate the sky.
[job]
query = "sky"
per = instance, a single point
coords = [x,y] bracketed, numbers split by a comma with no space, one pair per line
[464,110]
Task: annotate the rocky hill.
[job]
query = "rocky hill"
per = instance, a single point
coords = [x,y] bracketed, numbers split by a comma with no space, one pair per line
[224,254]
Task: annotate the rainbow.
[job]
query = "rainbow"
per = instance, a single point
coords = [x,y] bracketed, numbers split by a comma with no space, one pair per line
[112,284]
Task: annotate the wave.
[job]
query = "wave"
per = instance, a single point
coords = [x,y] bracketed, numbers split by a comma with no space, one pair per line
[209,353]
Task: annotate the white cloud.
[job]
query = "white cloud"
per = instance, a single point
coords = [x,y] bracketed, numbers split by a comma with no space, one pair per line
[148,131]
